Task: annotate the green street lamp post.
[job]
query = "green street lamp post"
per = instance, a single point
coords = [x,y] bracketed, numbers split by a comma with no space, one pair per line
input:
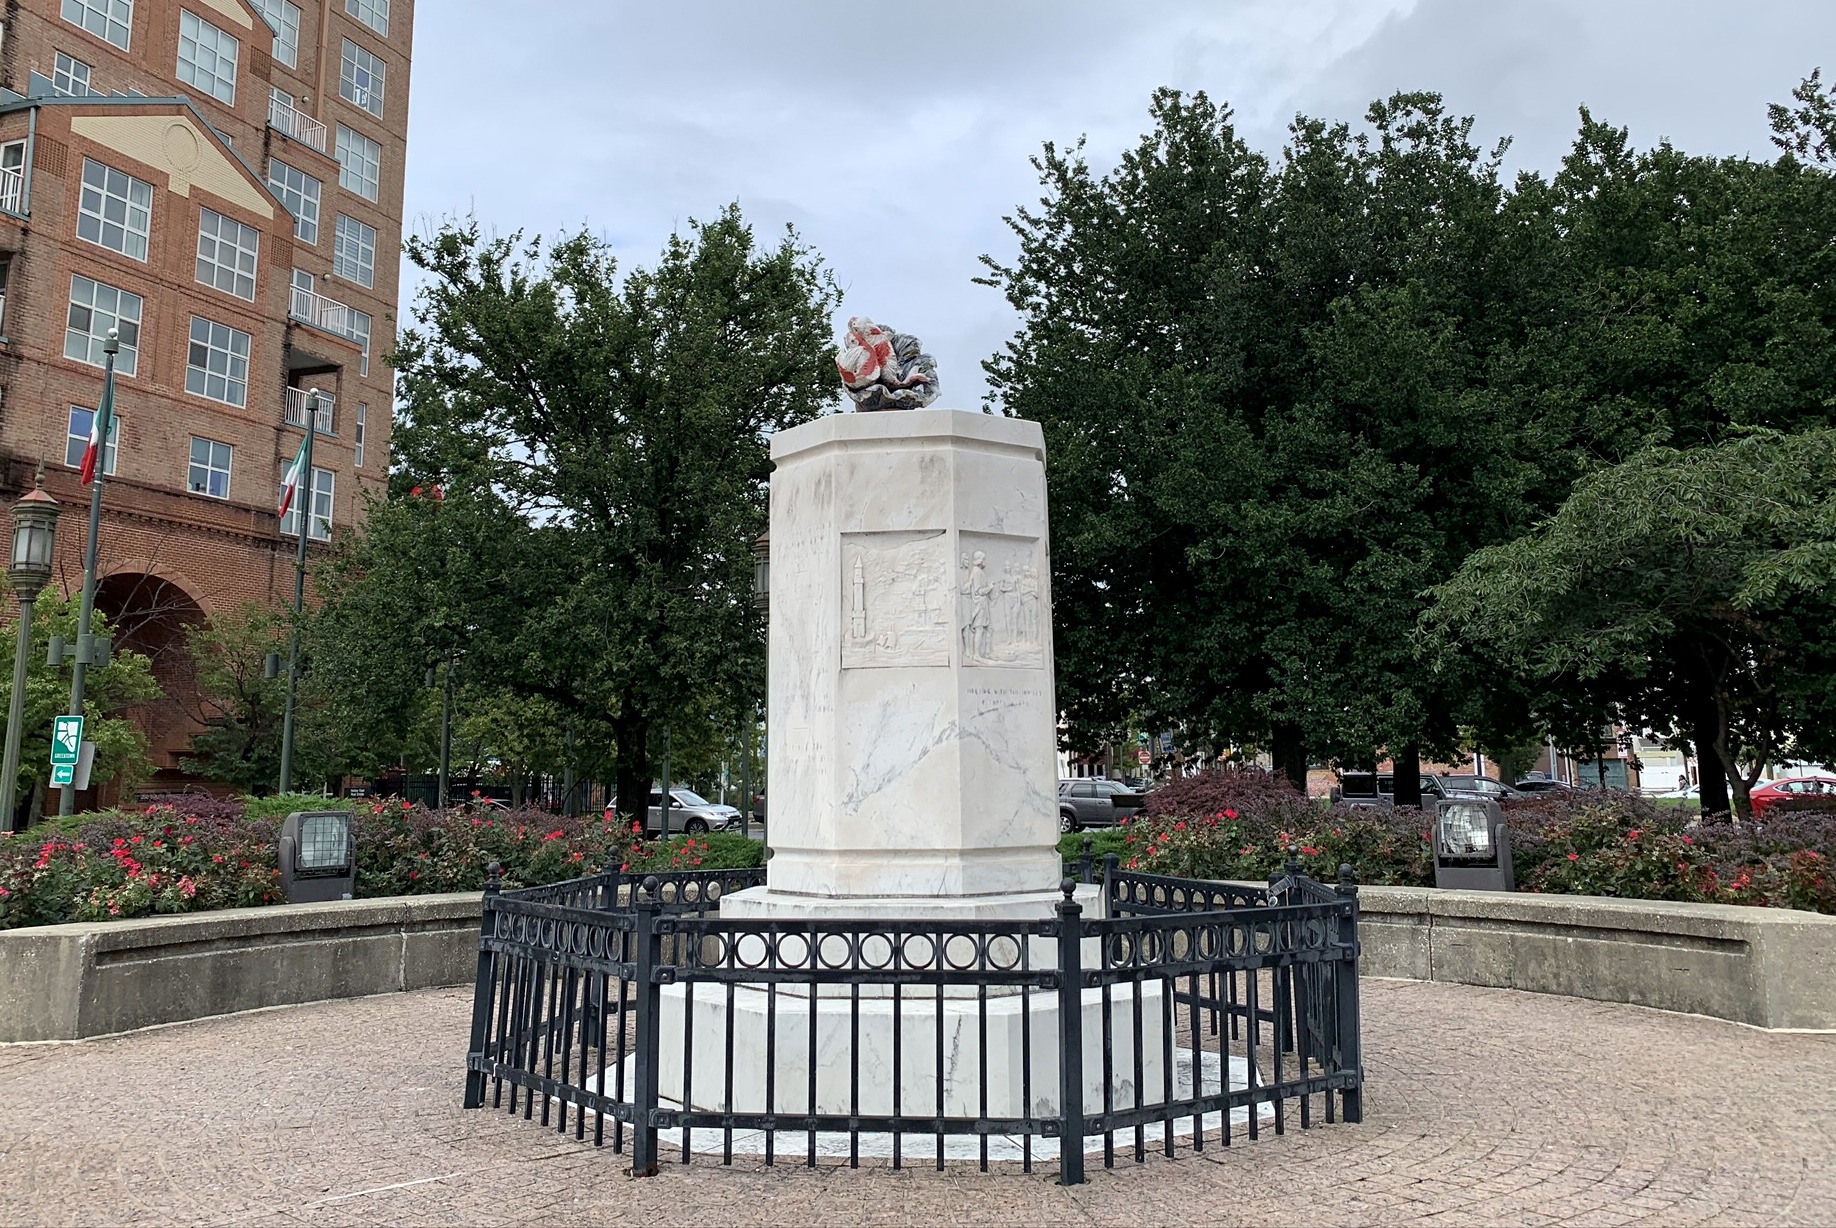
[86,653]
[761,601]
[299,590]
[34,542]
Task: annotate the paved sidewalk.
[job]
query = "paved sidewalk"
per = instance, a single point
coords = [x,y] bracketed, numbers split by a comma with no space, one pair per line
[1484,1106]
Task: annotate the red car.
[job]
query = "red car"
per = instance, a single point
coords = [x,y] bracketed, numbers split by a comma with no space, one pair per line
[1766,796]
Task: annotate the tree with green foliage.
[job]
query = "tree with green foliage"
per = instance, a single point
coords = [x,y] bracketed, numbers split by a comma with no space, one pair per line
[1675,575]
[601,440]
[112,692]
[241,709]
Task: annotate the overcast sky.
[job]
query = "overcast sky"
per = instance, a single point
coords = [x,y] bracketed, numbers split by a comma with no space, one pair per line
[894,137]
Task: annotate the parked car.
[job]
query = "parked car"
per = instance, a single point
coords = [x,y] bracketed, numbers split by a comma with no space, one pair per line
[1542,784]
[1379,788]
[1090,802]
[688,812]
[1773,792]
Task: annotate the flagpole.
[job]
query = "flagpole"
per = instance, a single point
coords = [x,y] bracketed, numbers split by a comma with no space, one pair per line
[79,673]
[299,590]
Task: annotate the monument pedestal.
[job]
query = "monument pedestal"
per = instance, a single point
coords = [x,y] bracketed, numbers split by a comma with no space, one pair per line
[912,778]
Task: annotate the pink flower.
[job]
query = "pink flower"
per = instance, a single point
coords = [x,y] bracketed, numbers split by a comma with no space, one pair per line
[1230,814]
[1574,857]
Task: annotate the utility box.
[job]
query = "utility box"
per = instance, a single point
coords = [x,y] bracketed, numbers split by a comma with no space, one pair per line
[318,856]
[1472,847]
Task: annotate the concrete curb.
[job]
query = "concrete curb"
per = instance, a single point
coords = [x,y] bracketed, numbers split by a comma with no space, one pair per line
[69,982]
[1769,967]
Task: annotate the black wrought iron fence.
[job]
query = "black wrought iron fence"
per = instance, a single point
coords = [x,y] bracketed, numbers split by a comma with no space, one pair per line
[1190,1012]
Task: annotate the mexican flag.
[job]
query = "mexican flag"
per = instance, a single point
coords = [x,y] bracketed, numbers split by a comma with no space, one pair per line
[290,485]
[92,453]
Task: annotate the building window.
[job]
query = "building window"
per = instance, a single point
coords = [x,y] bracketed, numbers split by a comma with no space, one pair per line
[94,309]
[207,57]
[218,362]
[359,326]
[227,251]
[359,163]
[322,480]
[284,19]
[71,77]
[109,20]
[357,432]
[209,473]
[83,421]
[372,13]
[360,80]
[299,192]
[354,252]
[6,270]
[114,210]
[12,176]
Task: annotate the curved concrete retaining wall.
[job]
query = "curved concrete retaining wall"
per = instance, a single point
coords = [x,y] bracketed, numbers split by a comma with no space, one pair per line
[1773,968]
[66,982]
[1770,967]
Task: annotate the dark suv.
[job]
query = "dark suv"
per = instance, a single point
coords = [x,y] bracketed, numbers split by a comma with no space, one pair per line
[1095,803]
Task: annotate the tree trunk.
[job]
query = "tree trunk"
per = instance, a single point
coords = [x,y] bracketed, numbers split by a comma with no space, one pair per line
[1289,750]
[1711,774]
[631,765]
[1406,768]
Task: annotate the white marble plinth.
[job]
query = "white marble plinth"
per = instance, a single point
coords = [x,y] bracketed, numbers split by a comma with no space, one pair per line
[912,721]
[1016,1031]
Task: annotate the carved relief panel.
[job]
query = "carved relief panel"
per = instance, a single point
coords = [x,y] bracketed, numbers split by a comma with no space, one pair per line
[895,599]
[1001,591]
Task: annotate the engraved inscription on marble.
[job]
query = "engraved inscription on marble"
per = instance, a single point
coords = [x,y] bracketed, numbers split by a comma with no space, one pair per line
[895,599]
[1001,600]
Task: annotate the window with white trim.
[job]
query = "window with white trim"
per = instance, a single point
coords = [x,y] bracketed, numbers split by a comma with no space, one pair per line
[227,254]
[323,481]
[12,176]
[284,19]
[354,252]
[70,77]
[217,364]
[359,163]
[96,307]
[114,210]
[300,192]
[209,471]
[109,20]
[207,57]
[372,13]
[361,77]
[359,326]
[83,421]
[357,435]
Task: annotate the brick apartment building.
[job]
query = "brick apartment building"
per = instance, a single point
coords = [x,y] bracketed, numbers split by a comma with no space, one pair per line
[221,181]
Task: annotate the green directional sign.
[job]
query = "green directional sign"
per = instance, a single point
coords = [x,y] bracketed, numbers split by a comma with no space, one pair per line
[63,775]
[66,744]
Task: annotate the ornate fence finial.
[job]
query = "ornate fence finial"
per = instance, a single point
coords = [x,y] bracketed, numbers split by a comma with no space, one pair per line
[494,879]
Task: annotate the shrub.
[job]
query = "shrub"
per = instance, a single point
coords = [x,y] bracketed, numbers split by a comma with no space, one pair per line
[1250,791]
[717,850]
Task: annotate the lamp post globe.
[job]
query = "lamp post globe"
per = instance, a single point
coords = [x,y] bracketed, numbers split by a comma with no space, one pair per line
[29,568]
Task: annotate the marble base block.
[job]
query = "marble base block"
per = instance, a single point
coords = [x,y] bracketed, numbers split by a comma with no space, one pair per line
[1015,1032]
[912,732]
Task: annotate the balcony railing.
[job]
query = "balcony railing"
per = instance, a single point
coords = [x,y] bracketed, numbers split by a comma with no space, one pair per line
[284,117]
[296,410]
[12,190]
[321,312]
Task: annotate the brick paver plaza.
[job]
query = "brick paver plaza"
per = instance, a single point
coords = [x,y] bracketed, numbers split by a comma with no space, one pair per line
[1484,1106]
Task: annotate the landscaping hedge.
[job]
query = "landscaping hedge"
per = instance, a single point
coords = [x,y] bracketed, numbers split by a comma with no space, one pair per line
[191,853]
[1240,823]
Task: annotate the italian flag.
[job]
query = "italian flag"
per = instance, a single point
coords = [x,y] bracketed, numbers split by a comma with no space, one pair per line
[290,485]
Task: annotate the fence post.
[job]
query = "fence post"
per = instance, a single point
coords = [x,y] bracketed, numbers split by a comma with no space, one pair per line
[1111,863]
[1351,1048]
[486,991]
[649,1007]
[1087,863]
[1070,1038]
